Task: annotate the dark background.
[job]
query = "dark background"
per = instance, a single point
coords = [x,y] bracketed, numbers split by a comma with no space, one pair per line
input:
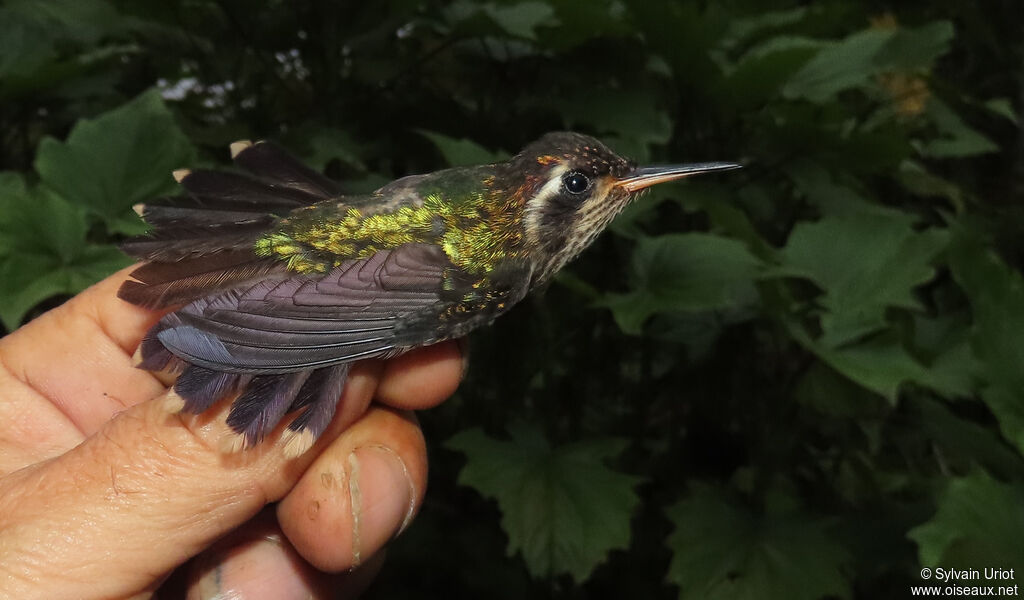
[801,380]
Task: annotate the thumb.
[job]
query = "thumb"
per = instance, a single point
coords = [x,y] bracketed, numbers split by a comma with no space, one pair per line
[142,495]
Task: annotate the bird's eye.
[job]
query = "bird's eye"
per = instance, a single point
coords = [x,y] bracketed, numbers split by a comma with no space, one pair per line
[576,182]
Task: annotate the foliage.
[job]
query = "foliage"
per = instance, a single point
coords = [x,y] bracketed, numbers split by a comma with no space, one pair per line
[798,380]
[561,507]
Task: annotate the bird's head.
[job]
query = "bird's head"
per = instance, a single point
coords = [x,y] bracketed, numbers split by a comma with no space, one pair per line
[573,186]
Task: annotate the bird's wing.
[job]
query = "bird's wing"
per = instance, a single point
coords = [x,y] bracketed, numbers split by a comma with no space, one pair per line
[300,322]
[281,339]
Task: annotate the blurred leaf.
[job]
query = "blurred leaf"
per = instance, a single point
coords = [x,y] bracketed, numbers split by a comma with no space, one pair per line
[997,296]
[25,45]
[116,160]
[519,19]
[918,180]
[833,198]
[582,20]
[84,21]
[522,18]
[957,138]
[881,364]
[327,144]
[561,507]
[979,524]
[685,272]
[47,253]
[628,120]
[854,61]
[846,64]
[865,264]
[1003,108]
[744,29]
[913,49]
[33,31]
[964,443]
[721,550]
[759,74]
[828,392]
[462,152]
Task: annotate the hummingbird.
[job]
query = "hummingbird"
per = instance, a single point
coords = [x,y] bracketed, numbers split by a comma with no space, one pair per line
[280,282]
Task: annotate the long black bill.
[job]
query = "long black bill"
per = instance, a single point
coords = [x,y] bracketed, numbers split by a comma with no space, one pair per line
[644,177]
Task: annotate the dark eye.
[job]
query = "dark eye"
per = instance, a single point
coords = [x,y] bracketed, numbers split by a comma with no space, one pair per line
[576,182]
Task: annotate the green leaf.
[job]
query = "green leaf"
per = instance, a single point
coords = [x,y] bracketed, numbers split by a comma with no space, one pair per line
[1004,108]
[582,20]
[760,73]
[996,293]
[956,138]
[685,272]
[84,21]
[854,61]
[844,65]
[31,278]
[964,443]
[523,18]
[979,524]
[743,30]
[46,251]
[628,120]
[721,550]
[326,144]
[829,392]
[116,160]
[865,263]
[461,152]
[916,48]
[561,507]
[25,45]
[880,364]
[918,180]
[830,196]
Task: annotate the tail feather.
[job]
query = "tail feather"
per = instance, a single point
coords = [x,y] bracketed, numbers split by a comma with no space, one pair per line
[273,165]
[200,388]
[233,191]
[202,241]
[162,284]
[263,403]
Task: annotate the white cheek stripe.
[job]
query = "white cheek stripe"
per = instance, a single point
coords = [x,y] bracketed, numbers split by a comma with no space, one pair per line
[595,208]
[535,205]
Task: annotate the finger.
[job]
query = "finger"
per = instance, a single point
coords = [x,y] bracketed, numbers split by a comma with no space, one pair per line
[152,481]
[232,564]
[359,493]
[257,561]
[402,385]
[78,356]
[33,429]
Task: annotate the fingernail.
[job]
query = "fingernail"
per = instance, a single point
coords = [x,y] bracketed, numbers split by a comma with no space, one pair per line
[383,498]
[263,568]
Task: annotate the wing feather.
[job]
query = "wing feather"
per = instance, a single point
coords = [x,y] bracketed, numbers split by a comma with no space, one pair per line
[298,322]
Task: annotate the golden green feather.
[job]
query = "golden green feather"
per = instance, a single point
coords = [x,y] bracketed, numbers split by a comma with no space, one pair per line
[473,235]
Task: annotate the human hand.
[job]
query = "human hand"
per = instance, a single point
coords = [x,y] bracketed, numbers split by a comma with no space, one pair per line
[103,494]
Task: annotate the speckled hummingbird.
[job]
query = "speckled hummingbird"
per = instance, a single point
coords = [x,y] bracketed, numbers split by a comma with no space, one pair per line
[283,282]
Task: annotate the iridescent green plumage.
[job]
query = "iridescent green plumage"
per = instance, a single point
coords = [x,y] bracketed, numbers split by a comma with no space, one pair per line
[457,209]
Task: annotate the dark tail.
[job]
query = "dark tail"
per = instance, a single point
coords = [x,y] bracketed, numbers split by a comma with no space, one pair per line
[202,240]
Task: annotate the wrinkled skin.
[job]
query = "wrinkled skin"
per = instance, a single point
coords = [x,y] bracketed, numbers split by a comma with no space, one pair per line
[103,494]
